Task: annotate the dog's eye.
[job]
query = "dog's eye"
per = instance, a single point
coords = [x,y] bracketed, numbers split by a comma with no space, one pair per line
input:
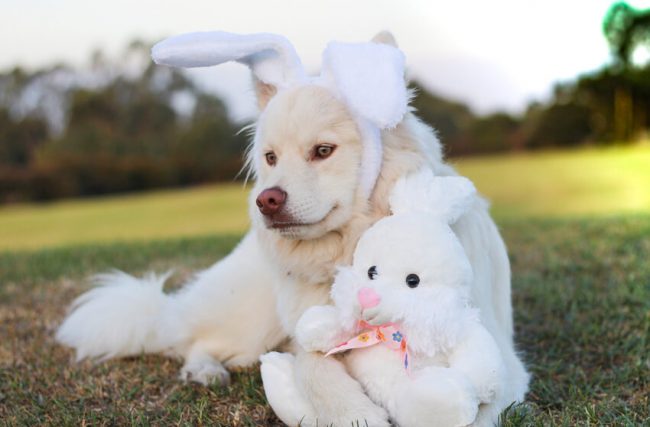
[323,151]
[372,272]
[271,158]
[412,280]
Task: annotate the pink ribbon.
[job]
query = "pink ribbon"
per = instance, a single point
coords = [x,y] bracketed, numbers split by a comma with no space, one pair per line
[387,334]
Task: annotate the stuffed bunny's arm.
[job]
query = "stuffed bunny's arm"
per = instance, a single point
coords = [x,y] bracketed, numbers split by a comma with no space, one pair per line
[320,328]
[479,358]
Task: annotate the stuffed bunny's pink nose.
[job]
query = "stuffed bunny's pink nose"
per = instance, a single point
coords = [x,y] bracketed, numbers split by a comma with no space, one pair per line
[368,298]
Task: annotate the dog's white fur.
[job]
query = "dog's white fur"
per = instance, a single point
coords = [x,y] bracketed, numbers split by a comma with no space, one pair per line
[249,302]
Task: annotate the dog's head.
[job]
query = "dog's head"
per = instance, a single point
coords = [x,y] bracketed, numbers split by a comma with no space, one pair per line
[305,157]
[317,151]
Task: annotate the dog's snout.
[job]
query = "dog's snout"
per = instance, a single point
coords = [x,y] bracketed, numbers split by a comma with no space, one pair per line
[271,200]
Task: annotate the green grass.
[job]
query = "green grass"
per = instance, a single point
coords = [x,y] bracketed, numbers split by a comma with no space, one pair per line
[593,182]
[585,182]
[581,294]
[577,226]
[215,209]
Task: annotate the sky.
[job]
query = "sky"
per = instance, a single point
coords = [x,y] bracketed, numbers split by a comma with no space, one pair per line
[492,55]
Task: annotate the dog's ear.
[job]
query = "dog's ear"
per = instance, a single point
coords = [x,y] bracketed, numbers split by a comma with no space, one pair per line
[263,92]
[271,57]
[385,37]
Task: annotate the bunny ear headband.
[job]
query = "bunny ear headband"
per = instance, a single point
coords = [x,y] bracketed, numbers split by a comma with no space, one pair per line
[367,77]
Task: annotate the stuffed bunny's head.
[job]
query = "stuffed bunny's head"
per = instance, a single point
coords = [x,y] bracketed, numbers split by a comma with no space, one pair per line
[410,268]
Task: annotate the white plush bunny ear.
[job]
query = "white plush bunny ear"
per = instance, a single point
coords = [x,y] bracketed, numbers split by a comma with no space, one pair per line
[271,57]
[370,79]
[446,197]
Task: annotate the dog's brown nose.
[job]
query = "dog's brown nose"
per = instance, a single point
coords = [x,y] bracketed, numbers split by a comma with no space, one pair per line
[271,200]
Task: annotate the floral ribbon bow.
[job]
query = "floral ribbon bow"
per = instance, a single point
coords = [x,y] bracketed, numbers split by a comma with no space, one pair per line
[387,334]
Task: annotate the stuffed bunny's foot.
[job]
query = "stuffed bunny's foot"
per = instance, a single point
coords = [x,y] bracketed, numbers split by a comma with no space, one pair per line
[436,397]
[281,391]
[338,398]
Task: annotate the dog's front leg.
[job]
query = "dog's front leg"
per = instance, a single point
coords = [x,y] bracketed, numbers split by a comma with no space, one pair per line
[339,400]
[227,316]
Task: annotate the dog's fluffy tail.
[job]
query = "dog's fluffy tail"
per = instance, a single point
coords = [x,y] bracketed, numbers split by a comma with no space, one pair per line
[122,316]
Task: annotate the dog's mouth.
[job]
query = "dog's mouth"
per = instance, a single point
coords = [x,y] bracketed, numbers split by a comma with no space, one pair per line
[283,222]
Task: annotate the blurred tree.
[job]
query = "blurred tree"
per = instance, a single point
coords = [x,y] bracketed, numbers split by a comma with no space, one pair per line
[561,124]
[619,100]
[209,147]
[19,139]
[626,95]
[493,133]
[127,124]
[124,130]
[626,29]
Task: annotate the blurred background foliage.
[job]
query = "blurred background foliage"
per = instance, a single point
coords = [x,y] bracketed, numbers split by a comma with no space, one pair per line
[125,124]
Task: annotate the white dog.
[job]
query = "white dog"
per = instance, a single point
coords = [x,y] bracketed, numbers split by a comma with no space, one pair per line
[326,153]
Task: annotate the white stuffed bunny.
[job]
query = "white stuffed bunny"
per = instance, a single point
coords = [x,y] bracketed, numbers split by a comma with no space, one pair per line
[415,343]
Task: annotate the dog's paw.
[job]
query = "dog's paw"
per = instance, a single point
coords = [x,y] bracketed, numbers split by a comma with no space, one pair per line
[207,372]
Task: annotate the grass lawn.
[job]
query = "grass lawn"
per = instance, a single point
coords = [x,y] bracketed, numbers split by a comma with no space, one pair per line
[197,211]
[581,292]
[594,182]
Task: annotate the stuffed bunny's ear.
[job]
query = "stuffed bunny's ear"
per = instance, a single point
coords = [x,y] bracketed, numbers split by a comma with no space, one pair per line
[446,197]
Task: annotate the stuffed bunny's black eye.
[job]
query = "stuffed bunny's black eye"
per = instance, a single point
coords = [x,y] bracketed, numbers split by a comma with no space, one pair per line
[412,280]
[372,272]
